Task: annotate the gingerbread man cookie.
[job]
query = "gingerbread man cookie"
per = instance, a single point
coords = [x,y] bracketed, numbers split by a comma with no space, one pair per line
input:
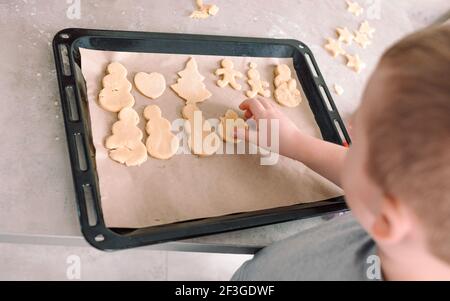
[228,75]
[257,85]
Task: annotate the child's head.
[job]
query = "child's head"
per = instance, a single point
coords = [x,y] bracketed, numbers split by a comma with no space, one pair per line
[397,174]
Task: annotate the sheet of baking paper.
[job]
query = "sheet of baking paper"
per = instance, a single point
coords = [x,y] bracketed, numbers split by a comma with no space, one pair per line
[186,186]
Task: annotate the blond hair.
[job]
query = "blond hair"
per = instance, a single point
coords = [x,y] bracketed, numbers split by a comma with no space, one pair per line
[409,132]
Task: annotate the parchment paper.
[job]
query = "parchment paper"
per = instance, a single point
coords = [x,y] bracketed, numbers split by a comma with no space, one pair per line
[186,186]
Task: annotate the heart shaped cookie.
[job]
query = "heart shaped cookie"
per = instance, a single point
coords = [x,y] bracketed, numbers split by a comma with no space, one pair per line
[151,85]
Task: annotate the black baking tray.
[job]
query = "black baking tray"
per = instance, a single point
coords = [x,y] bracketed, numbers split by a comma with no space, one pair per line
[72,88]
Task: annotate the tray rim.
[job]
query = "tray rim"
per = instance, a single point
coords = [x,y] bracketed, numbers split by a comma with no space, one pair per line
[112,240]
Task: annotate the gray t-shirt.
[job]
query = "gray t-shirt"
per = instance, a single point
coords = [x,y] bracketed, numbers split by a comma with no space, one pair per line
[336,250]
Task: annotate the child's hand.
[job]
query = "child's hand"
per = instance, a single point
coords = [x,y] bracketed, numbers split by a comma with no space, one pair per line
[323,157]
[261,108]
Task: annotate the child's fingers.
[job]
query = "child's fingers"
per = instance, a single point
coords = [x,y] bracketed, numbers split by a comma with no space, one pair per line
[266,103]
[253,105]
[248,114]
[244,105]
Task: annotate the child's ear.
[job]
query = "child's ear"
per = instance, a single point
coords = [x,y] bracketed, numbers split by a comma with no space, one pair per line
[393,221]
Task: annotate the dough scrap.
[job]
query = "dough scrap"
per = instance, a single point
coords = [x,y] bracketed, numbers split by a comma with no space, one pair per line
[228,123]
[190,85]
[288,95]
[161,142]
[257,85]
[151,85]
[213,10]
[362,39]
[354,8]
[355,63]
[115,94]
[228,75]
[338,89]
[199,14]
[125,143]
[204,10]
[344,35]
[365,28]
[286,92]
[202,140]
[334,47]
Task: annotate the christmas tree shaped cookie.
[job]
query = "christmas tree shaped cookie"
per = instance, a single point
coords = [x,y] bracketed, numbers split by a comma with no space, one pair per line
[125,143]
[190,85]
[115,94]
[203,141]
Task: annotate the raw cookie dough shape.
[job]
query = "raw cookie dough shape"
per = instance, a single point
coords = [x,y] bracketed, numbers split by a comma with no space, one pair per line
[286,92]
[125,143]
[151,85]
[115,94]
[365,28]
[354,62]
[282,74]
[190,85]
[288,95]
[228,75]
[354,8]
[188,111]
[334,47]
[228,123]
[344,35]
[161,142]
[338,89]
[257,85]
[362,39]
[202,140]
[191,88]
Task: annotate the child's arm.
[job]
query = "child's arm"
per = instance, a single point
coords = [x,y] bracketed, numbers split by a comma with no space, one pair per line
[323,157]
